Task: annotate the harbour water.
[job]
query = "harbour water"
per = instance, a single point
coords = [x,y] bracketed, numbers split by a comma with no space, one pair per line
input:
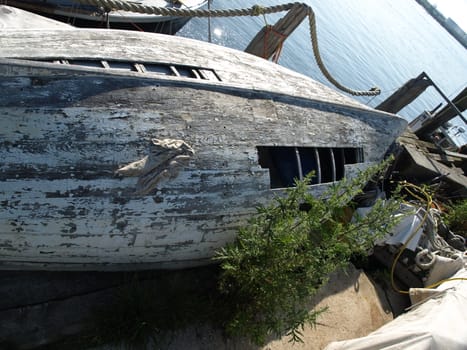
[363,43]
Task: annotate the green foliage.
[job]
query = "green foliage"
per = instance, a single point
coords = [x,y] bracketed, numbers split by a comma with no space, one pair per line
[280,259]
[456,218]
[286,252]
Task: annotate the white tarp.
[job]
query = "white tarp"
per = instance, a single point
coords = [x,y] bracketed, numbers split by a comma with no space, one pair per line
[411,217]
[439,323]
[417,231]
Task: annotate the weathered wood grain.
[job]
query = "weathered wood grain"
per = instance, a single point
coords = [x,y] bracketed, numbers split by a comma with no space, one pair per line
[270,38]
[65,130]
[12,17]
[232,66]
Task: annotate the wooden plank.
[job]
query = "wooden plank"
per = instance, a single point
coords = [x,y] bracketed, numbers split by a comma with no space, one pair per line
[444,115]
[270,38]
[422,166]
[461,103]
[456,155]
[405,94]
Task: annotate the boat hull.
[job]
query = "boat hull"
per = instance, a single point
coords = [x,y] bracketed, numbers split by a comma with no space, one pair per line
[66,208]
[114,166]
[163,25]
[87,16]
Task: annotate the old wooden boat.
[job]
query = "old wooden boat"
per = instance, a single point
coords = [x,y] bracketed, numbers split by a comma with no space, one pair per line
[128,150]
[82,15]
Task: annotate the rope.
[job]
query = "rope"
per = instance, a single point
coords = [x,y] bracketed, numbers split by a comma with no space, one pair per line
[434,285]
[429,200]
[282,37]
[255,10]
[314,42]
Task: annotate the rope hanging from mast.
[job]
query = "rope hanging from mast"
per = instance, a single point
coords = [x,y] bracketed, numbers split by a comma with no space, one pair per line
[256,10]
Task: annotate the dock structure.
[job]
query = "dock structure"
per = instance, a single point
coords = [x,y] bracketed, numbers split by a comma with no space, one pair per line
[420,161]
[414,88]
[445,114]
[406,94]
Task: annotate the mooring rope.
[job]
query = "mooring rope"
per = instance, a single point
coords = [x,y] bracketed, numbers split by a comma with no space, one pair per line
[255,10]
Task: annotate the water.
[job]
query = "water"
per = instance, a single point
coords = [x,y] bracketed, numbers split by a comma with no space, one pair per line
[363,43]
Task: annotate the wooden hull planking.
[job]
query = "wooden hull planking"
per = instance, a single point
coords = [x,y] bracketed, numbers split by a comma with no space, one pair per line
[66,130]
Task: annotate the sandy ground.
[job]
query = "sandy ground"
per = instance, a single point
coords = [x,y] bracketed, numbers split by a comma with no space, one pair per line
[355,308]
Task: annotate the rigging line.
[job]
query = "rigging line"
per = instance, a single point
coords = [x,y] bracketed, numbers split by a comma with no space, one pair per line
[428,198]
[255,10]
[371,99]
[209,23]
[388,91]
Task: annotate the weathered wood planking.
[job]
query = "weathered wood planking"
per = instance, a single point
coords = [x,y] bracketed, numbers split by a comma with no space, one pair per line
[14,18]
[66,129]
[232,66]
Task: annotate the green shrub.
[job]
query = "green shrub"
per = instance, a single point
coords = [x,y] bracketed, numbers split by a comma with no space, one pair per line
[280,259]
[456,218]
[286,252]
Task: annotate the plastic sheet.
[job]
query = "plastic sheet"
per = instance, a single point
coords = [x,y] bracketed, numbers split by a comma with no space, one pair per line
[437,323]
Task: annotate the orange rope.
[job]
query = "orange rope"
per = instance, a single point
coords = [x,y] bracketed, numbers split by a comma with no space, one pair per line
[277,52]
[275,55]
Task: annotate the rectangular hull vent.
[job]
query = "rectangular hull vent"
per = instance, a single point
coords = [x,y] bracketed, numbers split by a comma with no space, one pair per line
[286,163]
[142,67]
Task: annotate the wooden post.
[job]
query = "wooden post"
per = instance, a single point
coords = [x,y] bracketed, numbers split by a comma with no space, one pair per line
[445,114]
[270,38]
[406,94]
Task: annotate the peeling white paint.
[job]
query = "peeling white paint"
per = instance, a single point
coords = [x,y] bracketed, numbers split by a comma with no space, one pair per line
[65,131]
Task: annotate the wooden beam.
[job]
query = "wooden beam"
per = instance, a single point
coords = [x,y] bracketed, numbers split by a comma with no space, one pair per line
[270,38]
[405,94]
[460,101]
[445,114]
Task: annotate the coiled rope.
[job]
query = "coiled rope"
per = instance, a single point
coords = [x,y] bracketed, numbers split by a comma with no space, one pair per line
[410,188]
[255,10]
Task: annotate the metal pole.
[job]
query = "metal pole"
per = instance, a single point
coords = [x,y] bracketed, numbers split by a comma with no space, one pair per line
[459,113]
[209,22]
